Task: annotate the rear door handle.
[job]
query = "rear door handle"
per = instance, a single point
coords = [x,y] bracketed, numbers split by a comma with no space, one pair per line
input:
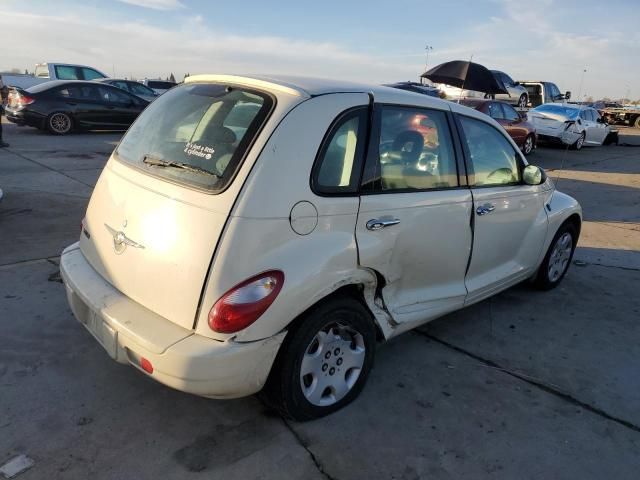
[486,208]
[380,223]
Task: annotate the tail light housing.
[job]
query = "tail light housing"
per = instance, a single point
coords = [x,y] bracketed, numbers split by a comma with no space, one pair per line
[246,302]
[23,100]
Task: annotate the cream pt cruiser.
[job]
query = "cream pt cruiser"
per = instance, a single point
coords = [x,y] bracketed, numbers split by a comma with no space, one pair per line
[258,234]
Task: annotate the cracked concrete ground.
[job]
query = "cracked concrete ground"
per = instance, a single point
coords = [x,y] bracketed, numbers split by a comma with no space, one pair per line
[525,385]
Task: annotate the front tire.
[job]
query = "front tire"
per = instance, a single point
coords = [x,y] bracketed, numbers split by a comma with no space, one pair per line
[324,361]
[523,100]
[558,258]
[59,123]
[529,145]
[579,143]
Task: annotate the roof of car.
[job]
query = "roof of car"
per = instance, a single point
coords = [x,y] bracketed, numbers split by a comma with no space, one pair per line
[312,87]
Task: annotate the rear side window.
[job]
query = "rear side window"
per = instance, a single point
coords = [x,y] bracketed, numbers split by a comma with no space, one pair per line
[90,73]
[495,111]
[415,151]
[510,113]
[87,93]
[64,72]
[185,137]
[494,161]
[113,95]
[338,165]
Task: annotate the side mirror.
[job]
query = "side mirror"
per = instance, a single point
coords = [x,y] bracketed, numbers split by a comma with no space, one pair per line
[532,175]
[567,95]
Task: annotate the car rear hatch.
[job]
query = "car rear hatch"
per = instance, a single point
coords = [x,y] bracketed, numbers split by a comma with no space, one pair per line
[161,204]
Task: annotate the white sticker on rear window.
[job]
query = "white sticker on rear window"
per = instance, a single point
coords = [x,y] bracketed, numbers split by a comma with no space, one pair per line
[201,151]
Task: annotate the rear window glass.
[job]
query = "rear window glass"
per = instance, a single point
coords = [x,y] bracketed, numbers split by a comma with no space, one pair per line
[196,134]
[558,109]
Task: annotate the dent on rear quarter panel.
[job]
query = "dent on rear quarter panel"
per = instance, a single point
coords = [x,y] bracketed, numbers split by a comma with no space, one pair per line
[259,237]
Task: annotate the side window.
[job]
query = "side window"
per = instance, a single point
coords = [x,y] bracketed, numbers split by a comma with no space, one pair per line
[596,115]
[584,115]
[506,80]
[494,161]
[510,113]
[495,111]
[90,74]
[555,92]
[64,72]
[415,151]
[121,85]
[139,89]
[337,167]
[112,95]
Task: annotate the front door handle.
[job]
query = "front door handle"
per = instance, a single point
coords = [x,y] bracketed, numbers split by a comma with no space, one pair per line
[486,208]
[380,223]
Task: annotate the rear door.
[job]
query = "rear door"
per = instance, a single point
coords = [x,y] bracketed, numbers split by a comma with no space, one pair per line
[84,102]
[413,223]
[514,124]
[122,108]
[509,219]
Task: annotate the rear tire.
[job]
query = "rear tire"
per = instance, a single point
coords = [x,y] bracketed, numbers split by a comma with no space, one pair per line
[59,123]
[558,258]
[324,361]
[636,124]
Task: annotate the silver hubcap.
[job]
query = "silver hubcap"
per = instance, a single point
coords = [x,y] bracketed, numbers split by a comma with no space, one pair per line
[60,123]
[528,145]
[331,364]
[559,260]
[523,102]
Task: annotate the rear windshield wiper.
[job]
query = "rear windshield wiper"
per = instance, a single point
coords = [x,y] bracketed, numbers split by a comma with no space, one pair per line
[158,162]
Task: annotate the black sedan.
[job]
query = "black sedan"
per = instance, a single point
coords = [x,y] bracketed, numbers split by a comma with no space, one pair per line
[64,106]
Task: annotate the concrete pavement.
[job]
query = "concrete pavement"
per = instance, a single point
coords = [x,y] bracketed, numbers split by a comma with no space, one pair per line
[525,385]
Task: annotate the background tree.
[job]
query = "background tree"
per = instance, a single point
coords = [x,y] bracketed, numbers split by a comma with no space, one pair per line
[172,78]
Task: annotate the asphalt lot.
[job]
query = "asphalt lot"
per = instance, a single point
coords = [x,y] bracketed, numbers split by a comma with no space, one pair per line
[524,385]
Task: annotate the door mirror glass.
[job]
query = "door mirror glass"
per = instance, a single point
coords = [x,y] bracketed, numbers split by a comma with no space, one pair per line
[532,175]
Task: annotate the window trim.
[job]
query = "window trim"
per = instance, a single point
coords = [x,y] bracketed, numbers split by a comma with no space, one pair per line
[364,129]
[467,154]
[268,96]
[370,184]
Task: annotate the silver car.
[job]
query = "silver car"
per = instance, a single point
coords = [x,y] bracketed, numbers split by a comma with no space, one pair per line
[517,94]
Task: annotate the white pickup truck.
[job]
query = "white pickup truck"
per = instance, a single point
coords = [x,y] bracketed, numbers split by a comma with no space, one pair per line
[45,72]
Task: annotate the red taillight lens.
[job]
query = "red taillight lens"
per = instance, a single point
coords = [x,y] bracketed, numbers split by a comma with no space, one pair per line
[146,365]
[244,303]
[25,100]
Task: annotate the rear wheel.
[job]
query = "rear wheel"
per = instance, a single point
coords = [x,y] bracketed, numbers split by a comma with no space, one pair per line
[637,122]
[523,100]
[527,147]
[579,143]
[59,123]
[324,362]
[556,261]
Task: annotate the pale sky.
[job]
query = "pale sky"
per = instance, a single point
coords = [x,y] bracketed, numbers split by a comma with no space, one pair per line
[373,41]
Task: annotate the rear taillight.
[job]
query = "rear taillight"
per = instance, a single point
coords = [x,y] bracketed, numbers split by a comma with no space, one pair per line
[23,100]
[244,303]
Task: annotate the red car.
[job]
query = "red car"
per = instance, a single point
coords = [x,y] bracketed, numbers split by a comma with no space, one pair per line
[522,132]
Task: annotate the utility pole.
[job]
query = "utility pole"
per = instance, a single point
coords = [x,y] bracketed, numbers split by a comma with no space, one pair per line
[427,49]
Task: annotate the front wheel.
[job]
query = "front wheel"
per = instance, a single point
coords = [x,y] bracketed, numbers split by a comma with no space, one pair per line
[59,123]
[529,144]
[522,101]
[556,262]
[324,361]
[579,143]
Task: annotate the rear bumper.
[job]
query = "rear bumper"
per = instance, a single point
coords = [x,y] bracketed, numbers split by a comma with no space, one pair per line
[22,117]
[180,358]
